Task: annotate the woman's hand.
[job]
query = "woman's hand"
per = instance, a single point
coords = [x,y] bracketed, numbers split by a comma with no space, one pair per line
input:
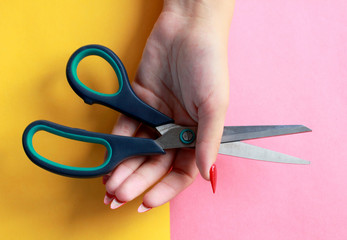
[184,74]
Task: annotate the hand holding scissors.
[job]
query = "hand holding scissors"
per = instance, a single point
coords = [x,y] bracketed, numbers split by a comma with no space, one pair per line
[172,136]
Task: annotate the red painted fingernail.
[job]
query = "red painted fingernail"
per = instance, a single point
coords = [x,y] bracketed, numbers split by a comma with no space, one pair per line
[109,195]
[108,198]
[116,203]
[213,177]
[142,208]
[105,179]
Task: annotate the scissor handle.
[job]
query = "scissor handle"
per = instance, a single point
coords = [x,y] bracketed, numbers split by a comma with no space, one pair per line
[118,149]
[124,100]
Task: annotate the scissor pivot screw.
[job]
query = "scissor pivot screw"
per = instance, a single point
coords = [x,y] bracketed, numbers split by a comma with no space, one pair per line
[187,136]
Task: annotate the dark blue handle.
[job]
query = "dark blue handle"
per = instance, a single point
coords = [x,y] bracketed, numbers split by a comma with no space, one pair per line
[118,149]
[124,100]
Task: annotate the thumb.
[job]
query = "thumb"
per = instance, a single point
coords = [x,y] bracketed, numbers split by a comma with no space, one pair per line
[210,130]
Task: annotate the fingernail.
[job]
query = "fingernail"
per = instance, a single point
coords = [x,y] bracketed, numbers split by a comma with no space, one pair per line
[143,208]
[105,179]
[108,198]
[213,177]
[116,204]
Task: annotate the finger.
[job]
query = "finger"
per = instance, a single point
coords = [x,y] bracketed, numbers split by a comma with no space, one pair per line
[210,129]
[145,176]
[105,178]
[147,95]
[108,197]
[122,172]
[125,126]
[183,173]
[126,168]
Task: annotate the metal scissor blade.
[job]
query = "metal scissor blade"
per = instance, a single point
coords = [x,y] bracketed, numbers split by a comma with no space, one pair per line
[244,150]
[239,133]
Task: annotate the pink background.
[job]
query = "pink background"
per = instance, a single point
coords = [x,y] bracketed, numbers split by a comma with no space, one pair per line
[288,65]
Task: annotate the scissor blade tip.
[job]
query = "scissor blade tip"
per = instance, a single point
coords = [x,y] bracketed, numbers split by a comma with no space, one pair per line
[305,162]
[302,128]
[301,161]
[306,129]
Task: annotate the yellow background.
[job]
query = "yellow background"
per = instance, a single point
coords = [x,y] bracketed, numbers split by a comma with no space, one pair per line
[37,38]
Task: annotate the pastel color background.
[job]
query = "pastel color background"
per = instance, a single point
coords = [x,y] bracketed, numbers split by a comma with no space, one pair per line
[37,39]
[288,65]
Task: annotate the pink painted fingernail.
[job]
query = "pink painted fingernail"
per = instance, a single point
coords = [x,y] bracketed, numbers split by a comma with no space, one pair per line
[143,208]
[116,204]
[108,198]
[213,177]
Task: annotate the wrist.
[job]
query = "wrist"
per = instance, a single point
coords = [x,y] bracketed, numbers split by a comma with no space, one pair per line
[219,11]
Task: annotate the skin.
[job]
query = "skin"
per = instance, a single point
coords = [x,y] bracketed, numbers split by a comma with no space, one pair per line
[184,74]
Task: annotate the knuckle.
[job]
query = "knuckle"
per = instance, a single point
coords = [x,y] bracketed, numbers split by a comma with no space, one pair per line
[124,194]
[110,188]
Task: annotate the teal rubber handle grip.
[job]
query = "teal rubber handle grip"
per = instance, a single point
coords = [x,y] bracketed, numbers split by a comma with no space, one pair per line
[118,149]
[124,100]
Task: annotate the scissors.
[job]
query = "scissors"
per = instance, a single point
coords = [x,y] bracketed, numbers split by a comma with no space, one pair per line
[172,135]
